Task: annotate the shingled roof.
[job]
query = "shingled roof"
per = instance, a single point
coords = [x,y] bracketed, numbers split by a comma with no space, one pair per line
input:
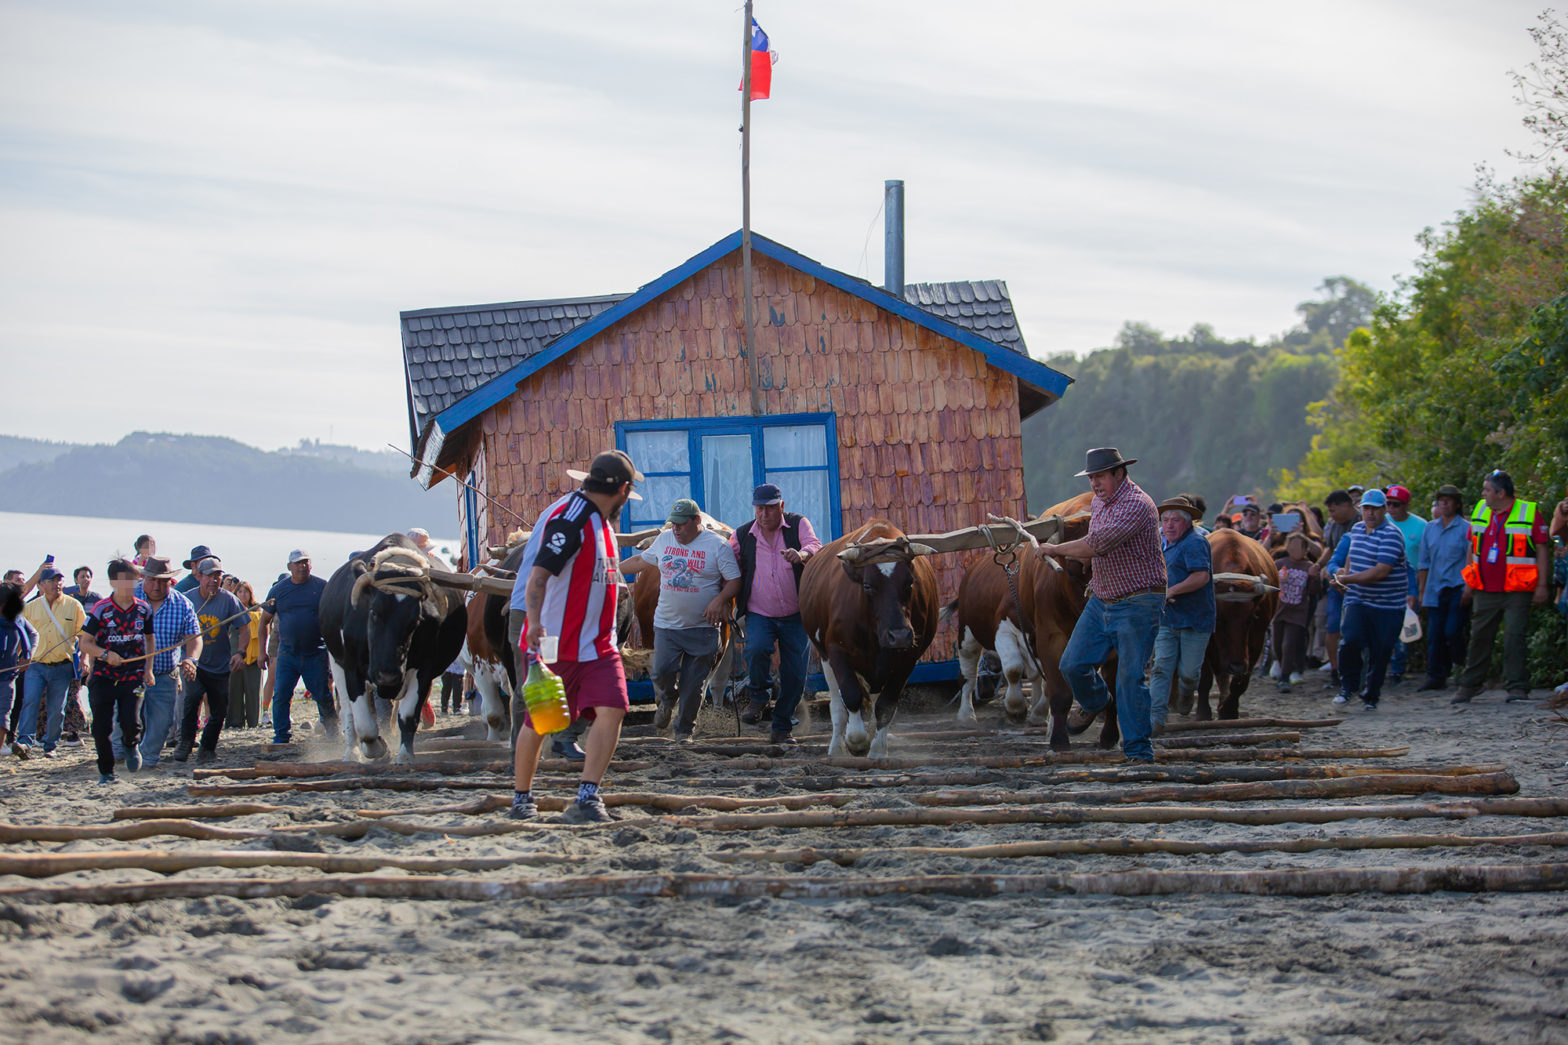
[981,305]
[449,352]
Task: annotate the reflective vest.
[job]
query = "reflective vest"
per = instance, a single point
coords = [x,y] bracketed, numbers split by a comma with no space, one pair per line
[1518,546]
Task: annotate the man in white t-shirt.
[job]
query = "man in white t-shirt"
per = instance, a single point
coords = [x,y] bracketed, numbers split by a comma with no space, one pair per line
[698,581]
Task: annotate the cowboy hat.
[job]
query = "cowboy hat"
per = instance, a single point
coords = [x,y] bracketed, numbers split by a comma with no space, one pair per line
[1181,504]
[158,570]
[1103,460]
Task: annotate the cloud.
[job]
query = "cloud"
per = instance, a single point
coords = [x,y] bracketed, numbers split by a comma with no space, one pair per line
[254,191]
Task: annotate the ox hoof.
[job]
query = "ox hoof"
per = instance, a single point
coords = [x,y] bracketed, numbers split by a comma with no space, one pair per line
[374,749]
[968,718]
[496,731]
[1107,743]
[1061,745]
[404,757]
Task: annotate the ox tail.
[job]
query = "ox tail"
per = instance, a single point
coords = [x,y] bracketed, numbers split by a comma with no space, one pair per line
[947,611]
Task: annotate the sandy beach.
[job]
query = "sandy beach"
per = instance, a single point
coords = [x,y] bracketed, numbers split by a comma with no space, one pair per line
[1045,964]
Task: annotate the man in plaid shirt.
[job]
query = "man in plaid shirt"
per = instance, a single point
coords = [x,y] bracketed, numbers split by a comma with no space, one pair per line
[173,621]
[1127,593]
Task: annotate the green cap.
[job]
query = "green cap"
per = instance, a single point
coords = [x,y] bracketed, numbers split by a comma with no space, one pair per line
[684,509]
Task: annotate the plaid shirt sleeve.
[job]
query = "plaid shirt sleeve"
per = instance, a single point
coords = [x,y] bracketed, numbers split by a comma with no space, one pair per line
[1114,523]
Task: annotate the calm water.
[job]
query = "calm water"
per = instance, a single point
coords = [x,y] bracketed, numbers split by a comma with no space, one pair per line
[253,554]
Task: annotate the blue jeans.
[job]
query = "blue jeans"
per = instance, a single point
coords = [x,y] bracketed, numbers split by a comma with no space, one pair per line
[45,684]
[157,714]
[1333,611]
[1126,628]
[290,668]
[1368,634]
[1445,629]
[789,635]
[1179,652]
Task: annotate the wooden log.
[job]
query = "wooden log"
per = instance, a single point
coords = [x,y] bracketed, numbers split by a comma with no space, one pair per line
[666,802]
[1408,784]
[1006,731]
[1317,814]
[1541,877]
[1111,774]
[44,865]
[812,745]
[458,768]
[192,812]
[1048,814]
[1135,847]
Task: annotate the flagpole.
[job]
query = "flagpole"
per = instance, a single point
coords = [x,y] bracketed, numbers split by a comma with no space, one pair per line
[745,210]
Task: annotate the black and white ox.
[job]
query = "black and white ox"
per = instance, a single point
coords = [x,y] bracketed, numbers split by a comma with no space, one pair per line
[390,631]
[868,603]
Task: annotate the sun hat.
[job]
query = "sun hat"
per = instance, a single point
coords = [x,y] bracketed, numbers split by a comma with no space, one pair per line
[1104,459]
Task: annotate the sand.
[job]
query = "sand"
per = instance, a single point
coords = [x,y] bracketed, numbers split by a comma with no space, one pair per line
[1447,966]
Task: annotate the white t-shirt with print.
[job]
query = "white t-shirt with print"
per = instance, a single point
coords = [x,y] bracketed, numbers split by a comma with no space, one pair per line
[690,575]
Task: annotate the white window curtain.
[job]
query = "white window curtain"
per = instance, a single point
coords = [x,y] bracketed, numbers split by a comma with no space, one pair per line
[807,494]
[727,477]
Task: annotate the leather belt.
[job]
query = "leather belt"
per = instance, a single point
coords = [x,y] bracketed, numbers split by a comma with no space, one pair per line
[1158,589]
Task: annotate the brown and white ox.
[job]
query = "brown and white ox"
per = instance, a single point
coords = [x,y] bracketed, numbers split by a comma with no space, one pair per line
[1245,610]
[645,600]
[868,603]
[1029,637]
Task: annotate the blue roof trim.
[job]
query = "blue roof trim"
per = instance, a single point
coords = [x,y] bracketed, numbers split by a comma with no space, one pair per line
[1052,382]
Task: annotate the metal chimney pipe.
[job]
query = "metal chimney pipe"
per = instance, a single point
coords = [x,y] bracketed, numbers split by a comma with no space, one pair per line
[893,239]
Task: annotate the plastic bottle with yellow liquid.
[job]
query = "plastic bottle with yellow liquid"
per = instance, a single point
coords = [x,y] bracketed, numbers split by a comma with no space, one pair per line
[545,695]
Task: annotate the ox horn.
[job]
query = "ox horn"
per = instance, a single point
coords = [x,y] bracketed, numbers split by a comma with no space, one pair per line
[360,585]
[921,549]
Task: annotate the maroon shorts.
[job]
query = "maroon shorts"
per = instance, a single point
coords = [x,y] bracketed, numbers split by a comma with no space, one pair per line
[591,684]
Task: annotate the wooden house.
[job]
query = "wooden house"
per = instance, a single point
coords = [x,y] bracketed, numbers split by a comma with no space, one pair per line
[872,404]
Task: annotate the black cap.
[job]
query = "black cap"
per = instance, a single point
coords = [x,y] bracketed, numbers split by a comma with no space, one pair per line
[609,470]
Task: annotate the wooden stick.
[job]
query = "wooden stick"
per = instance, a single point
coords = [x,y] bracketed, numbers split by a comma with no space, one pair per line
[1048,814]
[814,744]
[1116,774]
[44,865]
[1475,784]
[192,812]
[1008,731]
[1286,882]
[1134,847]
[1316,814]
[666,802]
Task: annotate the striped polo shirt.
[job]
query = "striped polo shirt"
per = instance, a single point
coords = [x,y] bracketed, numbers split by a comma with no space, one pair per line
[1367,549]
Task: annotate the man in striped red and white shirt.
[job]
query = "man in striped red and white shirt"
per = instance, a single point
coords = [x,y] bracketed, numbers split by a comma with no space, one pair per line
[566,584]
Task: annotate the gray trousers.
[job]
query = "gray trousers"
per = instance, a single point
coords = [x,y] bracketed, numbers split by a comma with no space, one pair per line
[682,660]
[1511,609]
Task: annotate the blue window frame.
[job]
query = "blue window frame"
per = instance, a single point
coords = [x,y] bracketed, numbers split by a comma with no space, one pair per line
[717,461]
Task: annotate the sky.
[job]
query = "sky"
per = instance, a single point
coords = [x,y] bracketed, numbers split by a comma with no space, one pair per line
[212,211]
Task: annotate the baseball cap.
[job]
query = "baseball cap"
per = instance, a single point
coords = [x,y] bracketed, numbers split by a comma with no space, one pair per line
[767,493]
[683,509]
[298,555]
[49,573]
[1398,493]
[1373,499]
[611,468]
[1355,487]
[209,566]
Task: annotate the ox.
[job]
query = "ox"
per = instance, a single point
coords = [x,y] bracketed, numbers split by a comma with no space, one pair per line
[1245,608]
[1028,636]
[868,602]
[489,660]
[390,633]
[645,601]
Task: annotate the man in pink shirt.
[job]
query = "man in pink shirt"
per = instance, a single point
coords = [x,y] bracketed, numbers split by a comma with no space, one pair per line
[772,551]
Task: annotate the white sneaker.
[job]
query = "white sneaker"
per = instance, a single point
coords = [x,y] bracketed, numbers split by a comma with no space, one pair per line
[1295,678]
[1341,699]
[1561,690]
[5,749]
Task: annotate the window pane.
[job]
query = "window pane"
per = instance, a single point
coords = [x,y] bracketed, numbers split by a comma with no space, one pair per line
[658,452]
[795,446]
[727,478]
[807,493]
[658,493]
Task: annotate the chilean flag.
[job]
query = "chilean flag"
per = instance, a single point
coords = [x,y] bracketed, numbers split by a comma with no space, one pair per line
[762,61]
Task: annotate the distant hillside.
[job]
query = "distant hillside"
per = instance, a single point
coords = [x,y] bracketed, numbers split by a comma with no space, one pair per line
[1201,414]
[210,479]
[15,450]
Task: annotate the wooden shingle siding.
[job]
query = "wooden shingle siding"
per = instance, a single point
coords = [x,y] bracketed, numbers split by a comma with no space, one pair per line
[929,434]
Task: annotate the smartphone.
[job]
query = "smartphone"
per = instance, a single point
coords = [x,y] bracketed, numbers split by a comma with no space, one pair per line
[48,560]
[1284,522]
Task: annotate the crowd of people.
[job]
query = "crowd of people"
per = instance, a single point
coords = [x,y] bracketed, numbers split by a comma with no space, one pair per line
[1360,580]
[169,661]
